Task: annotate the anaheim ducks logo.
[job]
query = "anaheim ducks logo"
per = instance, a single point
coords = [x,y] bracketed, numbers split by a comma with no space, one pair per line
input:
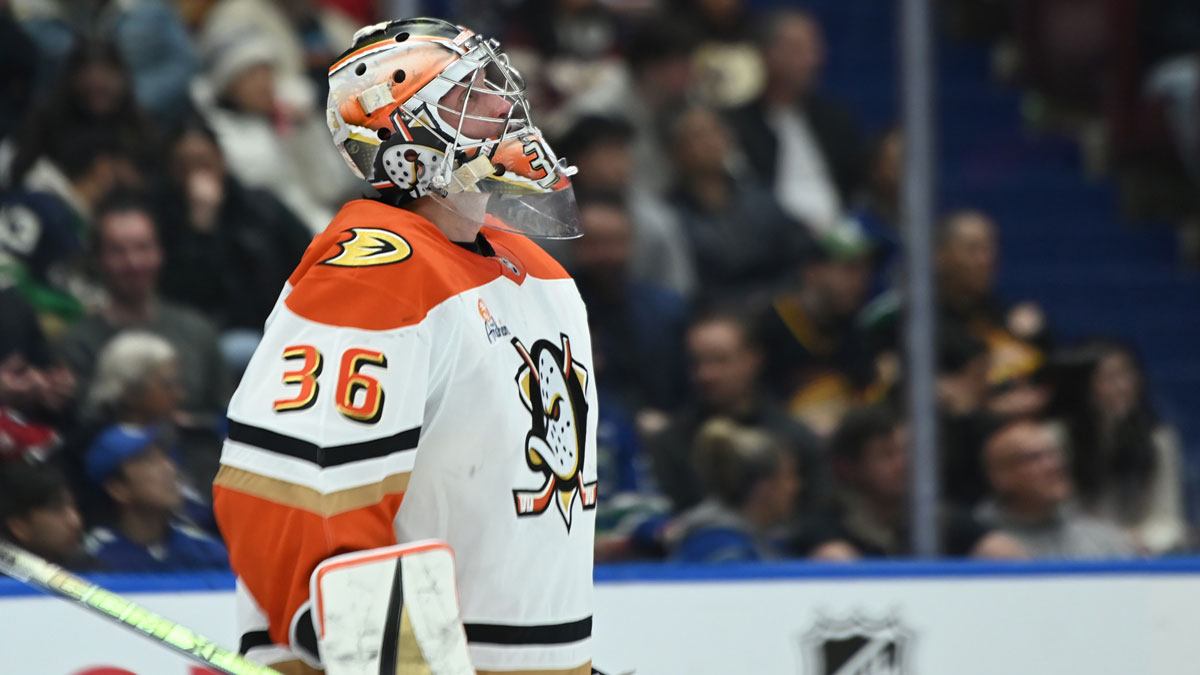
[370,246]
[552,386]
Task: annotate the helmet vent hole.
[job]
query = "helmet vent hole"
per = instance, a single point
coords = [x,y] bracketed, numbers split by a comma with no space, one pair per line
[401,37]
[360,69]
[398,76]
[384,134]
[410,155]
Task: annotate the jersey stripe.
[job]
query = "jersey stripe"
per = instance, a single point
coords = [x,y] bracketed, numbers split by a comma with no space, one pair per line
[306,498]
[267,529]
[323,457]
[585,669]
[324,481]
[297,668]
[255,638]
[551,634]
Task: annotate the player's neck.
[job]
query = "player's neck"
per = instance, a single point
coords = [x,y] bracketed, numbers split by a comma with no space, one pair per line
[456,226]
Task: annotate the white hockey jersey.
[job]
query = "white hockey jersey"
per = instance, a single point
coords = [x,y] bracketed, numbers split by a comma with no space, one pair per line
[407,388]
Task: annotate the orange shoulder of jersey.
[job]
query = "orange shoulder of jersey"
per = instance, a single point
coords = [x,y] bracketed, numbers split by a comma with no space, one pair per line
[379,267]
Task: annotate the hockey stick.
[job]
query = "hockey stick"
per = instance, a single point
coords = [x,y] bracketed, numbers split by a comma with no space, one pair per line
[34,571]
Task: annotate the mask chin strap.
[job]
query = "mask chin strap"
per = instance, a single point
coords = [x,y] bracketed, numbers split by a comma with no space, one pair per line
[466,176]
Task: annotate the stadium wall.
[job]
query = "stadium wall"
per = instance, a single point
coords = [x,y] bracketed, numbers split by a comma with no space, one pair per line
[944,618]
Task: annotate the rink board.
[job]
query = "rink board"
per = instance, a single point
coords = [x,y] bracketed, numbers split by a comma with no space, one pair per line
[874,618]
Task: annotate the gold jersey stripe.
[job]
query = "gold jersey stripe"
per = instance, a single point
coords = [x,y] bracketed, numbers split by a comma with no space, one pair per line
[296,668]
[306,498]
[585,669]
[301,668]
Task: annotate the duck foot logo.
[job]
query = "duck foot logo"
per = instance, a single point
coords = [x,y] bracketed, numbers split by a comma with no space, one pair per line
[552,386]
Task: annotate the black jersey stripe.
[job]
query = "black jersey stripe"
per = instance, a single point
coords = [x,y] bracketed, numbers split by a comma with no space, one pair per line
[327,456]
[252,639]
[551,634]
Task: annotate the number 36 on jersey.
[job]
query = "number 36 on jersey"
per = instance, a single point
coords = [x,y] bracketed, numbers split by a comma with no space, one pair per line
[358,397]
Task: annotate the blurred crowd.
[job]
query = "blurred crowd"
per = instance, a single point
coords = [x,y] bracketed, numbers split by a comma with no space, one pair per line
[164,164]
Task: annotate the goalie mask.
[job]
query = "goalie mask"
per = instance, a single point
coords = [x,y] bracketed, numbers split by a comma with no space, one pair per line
[423,107]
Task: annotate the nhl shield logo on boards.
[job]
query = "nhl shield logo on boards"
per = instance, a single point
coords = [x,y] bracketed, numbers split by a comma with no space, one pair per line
[552,385]
[856,646]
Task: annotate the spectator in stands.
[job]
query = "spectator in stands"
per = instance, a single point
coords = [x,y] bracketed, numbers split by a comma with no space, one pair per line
[48,262]
[1127,464]
[803,145]
[128,258]
[750,485]
[965,419]
[630,513]
[269,142]
[1170,46]
[879,209]
[568,51]
[37,512]
[636,327]
[133,469]
[148,34]
[817,358]
[869,454]
[602,148]
[724,20]
[726,367]
[729,68]
[304,35]
[18,71]
[92,99]
[1017,336]
[742,243]
[660,62]
[136,382]
[1031,491]
[24,385]
[228,249]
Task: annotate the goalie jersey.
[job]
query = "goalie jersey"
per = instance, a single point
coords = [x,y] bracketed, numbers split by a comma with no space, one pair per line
[408,388]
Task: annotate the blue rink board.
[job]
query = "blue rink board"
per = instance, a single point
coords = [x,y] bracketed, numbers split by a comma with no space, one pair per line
[677,573]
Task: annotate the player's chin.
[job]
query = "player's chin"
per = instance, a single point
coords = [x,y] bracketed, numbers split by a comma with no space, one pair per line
[481,130]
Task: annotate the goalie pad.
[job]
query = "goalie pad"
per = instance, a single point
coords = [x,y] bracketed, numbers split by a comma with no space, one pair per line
[390,611]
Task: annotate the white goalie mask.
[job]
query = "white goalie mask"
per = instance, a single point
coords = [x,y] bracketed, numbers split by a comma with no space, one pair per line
[424,107]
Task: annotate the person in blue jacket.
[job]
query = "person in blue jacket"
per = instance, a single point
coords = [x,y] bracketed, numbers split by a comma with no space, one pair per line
[144,533]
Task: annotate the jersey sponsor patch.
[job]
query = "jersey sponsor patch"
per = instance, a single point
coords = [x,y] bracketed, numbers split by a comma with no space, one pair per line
[492,325]
[552,385]
[370,246]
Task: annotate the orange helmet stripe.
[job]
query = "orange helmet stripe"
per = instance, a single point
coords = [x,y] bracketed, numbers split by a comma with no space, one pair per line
[359,52]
